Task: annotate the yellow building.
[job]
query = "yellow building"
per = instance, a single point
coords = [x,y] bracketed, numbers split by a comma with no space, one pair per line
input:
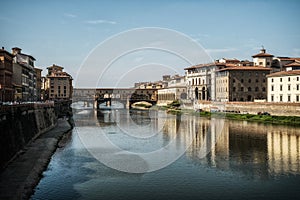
[58,84]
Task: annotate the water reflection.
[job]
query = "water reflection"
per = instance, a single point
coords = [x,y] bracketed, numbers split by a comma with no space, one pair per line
[223,159]
[257,150]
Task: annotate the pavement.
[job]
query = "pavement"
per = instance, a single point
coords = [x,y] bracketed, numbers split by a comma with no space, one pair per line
[20,177]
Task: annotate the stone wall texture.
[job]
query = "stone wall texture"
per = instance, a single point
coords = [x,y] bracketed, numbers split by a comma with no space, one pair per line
[21,124]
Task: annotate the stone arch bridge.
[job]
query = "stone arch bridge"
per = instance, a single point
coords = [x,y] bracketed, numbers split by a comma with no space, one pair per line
[126,96]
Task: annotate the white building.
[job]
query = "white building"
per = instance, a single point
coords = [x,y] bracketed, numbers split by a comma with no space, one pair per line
[201,80]
[176,90]
[263,59]
[284,86]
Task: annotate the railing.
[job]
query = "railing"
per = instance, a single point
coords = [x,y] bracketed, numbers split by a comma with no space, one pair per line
[27,106]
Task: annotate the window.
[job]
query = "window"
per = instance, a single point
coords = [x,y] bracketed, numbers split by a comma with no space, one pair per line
[272,80]
[249,81]
[263,89]
[280,79]
[297,87]
[272,87]
[297,98]
[242,80]
[260,63]
[233,89]
[280,97]
[289,79]
[297,78]
[289,87]
[289,97]
[280,87]
[264,80]
[233,80]
[256,89]
[249,89]
[242,89]
[272,97]
[256,80]
[268,63]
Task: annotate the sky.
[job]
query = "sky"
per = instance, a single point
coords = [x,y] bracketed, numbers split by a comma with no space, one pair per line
[68,32]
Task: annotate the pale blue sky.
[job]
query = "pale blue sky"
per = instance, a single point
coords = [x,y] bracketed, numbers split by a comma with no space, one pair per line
[64,32]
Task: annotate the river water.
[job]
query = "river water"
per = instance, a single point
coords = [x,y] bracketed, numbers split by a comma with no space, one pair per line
[122,154]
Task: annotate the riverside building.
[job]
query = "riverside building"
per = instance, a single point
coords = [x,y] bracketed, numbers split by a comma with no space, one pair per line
[58,84]
[284,86]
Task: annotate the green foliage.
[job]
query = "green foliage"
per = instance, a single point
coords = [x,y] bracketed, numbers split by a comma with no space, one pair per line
[287,120]
[175,104]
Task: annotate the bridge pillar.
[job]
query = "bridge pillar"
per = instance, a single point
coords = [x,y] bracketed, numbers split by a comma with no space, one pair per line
[96,105]
[128,104]
[108,103]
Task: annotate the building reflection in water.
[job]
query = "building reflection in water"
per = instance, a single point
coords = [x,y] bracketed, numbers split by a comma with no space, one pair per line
[283,150]
[254,149]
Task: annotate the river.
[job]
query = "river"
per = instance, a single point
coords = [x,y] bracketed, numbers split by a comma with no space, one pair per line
[122,154]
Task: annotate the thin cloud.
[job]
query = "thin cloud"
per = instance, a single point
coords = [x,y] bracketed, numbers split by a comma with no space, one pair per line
[220,50]
[70,15]
[100,21]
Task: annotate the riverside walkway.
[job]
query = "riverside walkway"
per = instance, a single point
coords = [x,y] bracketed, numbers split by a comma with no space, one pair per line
[19,178]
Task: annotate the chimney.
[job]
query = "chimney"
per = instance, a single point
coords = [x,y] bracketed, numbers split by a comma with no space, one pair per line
[16,50]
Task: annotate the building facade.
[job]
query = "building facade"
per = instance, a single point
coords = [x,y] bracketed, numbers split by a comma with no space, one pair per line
[58,84]
[38,84]
[6,73]
[247,83]
[200,81]
[24,63]
[176,90]
[263,59]
[284,86]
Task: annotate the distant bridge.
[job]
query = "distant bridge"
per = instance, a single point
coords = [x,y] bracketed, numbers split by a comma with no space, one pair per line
[126,96]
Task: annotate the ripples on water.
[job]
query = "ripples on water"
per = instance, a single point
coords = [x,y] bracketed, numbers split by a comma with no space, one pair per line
[224,159]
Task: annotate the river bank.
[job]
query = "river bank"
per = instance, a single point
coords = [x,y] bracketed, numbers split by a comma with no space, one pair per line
[284,120]
[20,177]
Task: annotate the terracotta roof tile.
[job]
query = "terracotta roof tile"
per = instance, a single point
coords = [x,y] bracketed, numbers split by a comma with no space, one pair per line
[293,64]
[262,55]
[247,68]
[285,73]
[205,65]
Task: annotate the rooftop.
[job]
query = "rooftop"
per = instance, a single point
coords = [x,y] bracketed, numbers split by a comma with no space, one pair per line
[6,52]
[262,54]
[246,68]
[293,64]
[285,73]
[206,65]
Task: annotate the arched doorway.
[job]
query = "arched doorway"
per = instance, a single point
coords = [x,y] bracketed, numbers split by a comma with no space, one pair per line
[203,93]
[196,93]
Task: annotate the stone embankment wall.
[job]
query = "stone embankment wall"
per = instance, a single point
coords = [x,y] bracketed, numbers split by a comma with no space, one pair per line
[20,124]
[279,109]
